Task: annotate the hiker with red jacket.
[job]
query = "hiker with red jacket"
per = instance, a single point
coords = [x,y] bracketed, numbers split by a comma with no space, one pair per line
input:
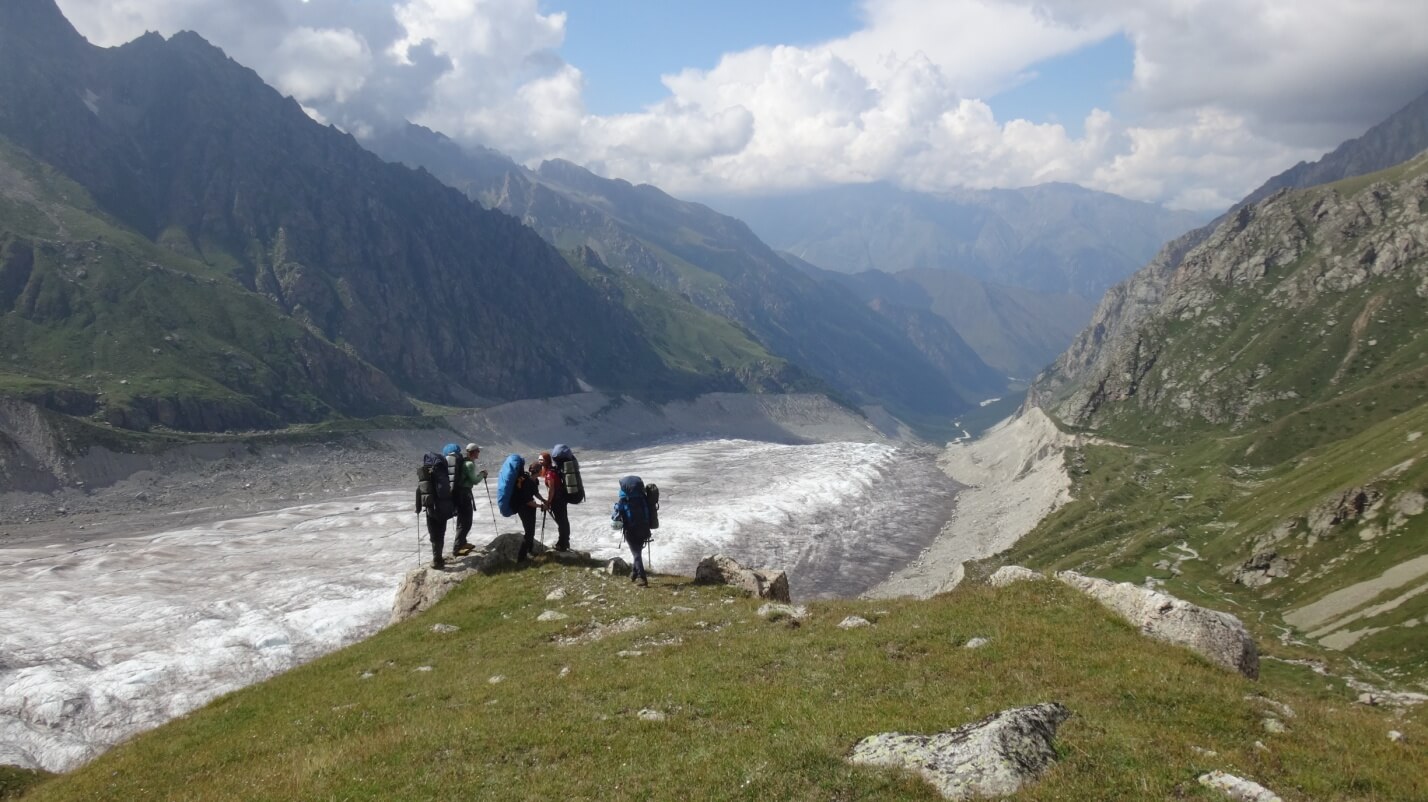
[556,500]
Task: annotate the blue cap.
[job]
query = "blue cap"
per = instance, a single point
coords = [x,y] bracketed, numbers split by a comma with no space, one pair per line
[450,448]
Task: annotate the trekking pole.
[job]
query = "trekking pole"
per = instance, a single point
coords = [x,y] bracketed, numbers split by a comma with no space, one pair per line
[542,525]
[649,551]
[418,531]
[491,505]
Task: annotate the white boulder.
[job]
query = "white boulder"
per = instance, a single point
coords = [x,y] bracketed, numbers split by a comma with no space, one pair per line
[764,583]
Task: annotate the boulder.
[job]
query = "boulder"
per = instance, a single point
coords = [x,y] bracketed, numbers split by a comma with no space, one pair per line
[617,567]
[775,611]
[854,622]
[1008,574]
[992,757]
[1261,569]
[421,588]
[1218,636]
[763,583]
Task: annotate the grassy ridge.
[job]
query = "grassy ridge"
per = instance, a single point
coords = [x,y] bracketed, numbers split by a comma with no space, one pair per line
[755,708]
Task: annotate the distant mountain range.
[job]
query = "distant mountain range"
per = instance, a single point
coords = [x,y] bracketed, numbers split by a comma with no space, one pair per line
[922,370]
[184,247]
[1052,238]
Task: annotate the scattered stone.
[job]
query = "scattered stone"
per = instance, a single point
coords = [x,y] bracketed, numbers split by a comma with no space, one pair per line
[564,672]
[599,631]
[617,567]
[1260,746]
[552,615]
[976,643]
[1282,709]
[853,622]
[678,609]
[763,583]
[423,668]
[1010,574]
[1395,736]
[367,675]
[497,679]
[991,757]
[774,611]
[652,715]
[1237,788]
[1204,752]
[1218,636]
[1274,726]
[555,595]
[630,653]
[445,629]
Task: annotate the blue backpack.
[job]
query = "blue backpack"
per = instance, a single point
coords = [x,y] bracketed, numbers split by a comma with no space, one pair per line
[513,468]
[633,508]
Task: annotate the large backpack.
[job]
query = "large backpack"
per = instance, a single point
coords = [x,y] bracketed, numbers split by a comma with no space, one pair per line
[513,468]
[434,486]
[652,499]
[568,467]
[633,507]
[456,467]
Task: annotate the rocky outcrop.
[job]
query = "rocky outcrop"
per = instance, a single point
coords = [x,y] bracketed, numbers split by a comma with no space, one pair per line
[1011,574]
[1261,569]
[421,588]
[1238,788]
[992,757]
[1219,637]
[764,583]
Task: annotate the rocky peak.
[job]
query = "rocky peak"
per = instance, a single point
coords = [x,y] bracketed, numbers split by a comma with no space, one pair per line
[36,25]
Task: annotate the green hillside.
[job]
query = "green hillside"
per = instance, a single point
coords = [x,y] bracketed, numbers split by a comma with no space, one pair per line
[511,708]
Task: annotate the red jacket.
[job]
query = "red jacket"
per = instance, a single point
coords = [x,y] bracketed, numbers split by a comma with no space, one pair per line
[554,485]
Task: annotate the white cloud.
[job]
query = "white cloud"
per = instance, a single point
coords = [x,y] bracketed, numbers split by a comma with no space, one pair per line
[1224,92]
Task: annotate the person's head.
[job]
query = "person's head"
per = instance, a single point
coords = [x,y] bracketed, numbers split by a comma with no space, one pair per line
[533,467]
[545,459]
[472,451]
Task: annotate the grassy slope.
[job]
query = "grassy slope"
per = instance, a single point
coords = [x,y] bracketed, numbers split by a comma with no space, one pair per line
[756,709]
[1222,488]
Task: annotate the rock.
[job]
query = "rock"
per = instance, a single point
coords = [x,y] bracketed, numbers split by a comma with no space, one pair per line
[445,629]
[500,552]
[1274,726]
[1218,636]
[1237,788]
[1263,568]
[1395,736]
[1346,506]
[763,583]
[854,622]
[420,589]
[630,653]
[552,615]
[991,757]
[652,715]
[497,679]
[555,595]
[774,611]
[1008,574]
[617,567]
[976,643]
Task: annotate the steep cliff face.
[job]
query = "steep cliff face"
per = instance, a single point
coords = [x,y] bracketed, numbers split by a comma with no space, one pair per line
[1308,298]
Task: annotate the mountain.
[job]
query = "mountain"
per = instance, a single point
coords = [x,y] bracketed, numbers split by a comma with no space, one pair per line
[1015,331]
[354,284]
[1054,238]
[1393,141]
[717,264]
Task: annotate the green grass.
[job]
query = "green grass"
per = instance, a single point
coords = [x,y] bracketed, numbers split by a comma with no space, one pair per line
[15,781]
[756,709]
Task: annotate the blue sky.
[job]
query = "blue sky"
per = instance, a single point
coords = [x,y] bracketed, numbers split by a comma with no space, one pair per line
[624,46]
[1189,104]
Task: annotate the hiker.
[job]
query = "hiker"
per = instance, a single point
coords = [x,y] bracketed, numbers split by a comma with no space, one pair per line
[556,500]
[433,496]
[464,482]
[527,500]
[632,513]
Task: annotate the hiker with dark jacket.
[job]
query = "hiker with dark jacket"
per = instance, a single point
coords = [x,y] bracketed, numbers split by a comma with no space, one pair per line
[556,500]
[632,513]
[438,508]
[527,500]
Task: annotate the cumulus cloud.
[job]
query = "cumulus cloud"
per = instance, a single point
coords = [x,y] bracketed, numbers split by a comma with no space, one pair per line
[1223,93]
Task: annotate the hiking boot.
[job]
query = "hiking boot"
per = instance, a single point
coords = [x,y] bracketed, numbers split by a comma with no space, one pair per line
[462,549]
[438,563]
[644,583]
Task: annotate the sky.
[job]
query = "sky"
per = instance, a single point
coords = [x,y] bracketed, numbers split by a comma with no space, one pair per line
[1187,103]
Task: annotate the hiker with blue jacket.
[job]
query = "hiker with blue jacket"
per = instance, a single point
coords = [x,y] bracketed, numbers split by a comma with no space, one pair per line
[527,500]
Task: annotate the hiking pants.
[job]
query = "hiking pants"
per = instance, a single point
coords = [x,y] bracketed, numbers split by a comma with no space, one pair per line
[635,539]
[436,530]
[528,516]
[465,506]
[560,513]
